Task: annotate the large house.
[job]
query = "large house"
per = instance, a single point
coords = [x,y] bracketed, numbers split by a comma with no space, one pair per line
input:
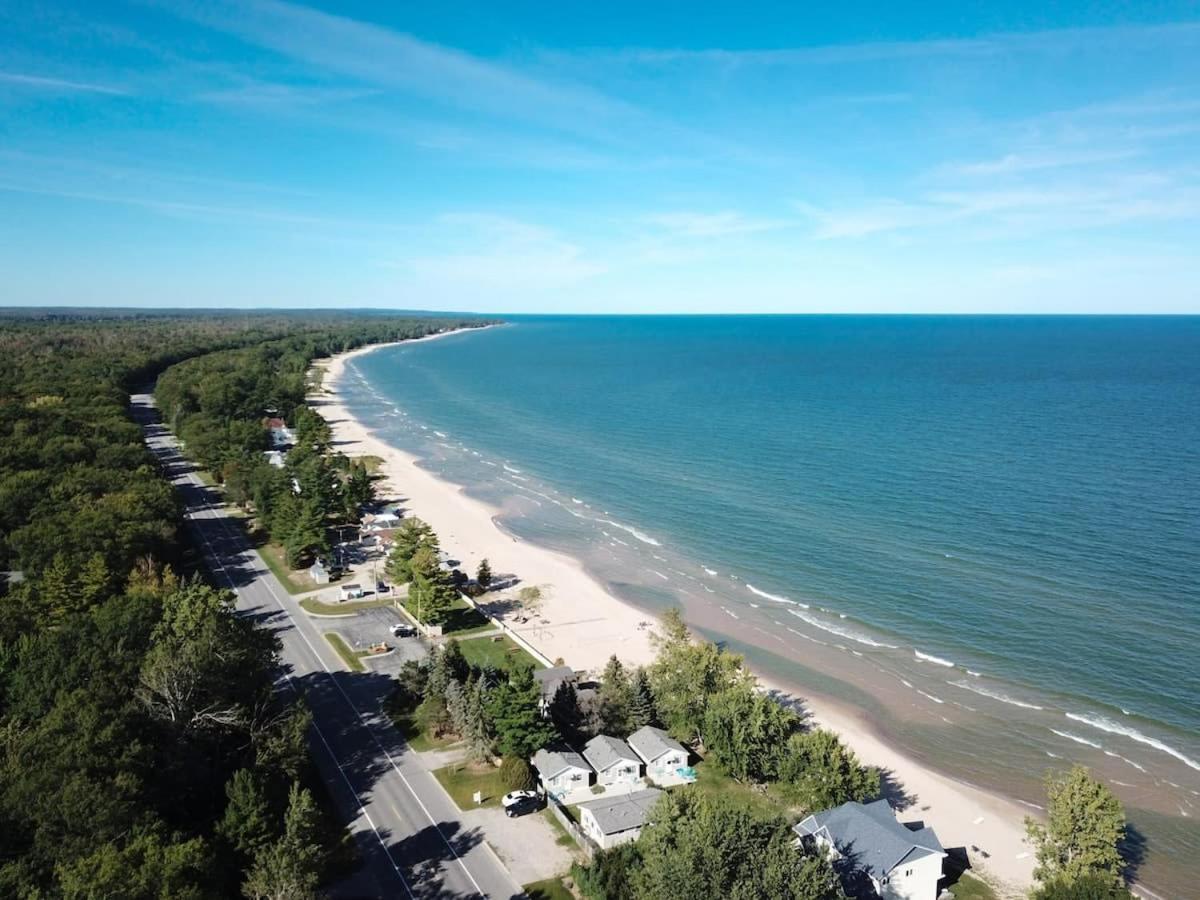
[561,771]
[664,756]
[903,863]
[617,818]
[550,680]
[613,761]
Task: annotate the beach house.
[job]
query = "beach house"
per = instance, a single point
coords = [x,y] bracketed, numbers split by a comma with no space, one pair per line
[549,681]
[617,818]
[614,762]
[561,771]
[903,862]
[665,758]
[384,521]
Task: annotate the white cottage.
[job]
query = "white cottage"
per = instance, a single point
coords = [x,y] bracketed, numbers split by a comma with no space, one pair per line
[561,771]
[903,862]
[614,762]
[665,758]
[617,818]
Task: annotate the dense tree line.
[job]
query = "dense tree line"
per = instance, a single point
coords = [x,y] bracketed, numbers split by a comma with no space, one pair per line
[144,749]
[415,560]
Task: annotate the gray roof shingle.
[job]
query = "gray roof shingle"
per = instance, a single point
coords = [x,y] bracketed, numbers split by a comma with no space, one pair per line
[551,762]
[869,834]
[650,743]
[603,752]
[624,811]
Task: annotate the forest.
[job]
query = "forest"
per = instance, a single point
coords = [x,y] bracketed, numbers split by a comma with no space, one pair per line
[145,750]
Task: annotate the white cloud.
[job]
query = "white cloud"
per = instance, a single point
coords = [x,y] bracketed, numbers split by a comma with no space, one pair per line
[59,85]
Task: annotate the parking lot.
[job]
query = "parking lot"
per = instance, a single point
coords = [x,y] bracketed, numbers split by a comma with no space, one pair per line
[371,626]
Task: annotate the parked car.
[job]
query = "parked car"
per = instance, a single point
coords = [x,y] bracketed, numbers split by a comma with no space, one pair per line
[514,796]
[522,807]
[403,630]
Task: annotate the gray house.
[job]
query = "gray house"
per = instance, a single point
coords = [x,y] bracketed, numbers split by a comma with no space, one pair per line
[549,681]
[613,761]
[618,818]
[903,862]
[561,771]
[665,758]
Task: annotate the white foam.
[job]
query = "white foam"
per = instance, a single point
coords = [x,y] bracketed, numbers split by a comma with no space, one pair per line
[972,673]
[709,571]
[1076,738]
[1126,759]
[807,637]
[995,695]
[660,575]
[839,631]
[707,588]
[1134,735]
[931,697]
[936,660]
[440,434]
[508,468]
[644,538]
[730,613]
[907,684]
[754,606]
[778,598]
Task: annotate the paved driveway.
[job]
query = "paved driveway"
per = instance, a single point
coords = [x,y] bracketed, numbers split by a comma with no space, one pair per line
[370,626]
[527,845]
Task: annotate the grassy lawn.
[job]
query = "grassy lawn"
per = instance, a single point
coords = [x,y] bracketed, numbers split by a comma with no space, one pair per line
[562,836]
[461,781]
[349,657]
[313,605]
[272,555]
[712,779]
[550,889]
[462,620]
[503,654]
[968,887]
[411,729]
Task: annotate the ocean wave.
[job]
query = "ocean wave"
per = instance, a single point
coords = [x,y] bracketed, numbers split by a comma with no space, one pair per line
[641,536]
[840,632]
[936,660]
[778,598]
[709,571]
[807,637]
[1137,766]
[1133,734]
[707,588]
[576,500]
[1077,739]
[931,697]
[440,434]
[660,575]
[514,471]
[730,613]
[995,695]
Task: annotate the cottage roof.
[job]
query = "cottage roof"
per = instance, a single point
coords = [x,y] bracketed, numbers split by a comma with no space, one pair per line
[650,743]
[553,762]
[869,834]
[623,811]
[603,752]
[550,679]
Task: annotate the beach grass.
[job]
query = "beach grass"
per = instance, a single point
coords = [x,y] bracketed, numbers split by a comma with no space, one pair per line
[273,556]
[349,657]
[320,608]
[461,781]
[501,653]
[968,887]
[550,889]
[372,463]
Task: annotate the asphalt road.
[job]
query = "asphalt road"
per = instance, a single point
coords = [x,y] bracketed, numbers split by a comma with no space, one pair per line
[408,830]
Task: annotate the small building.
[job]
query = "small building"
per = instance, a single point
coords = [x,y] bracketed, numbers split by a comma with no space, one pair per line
[614,762]
[350,592]
[384,521]
[665,758]
[618,818]
[561,771]
[550,680]
[274,458]
[319,573]
[904,862]
[281,436]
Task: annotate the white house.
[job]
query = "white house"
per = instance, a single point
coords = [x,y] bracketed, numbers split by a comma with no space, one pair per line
[549,681]
[664,756]
[561,771]
[281,435]
[903,862]
[319,573]
[614,762]
[617,818]
[350,592]
[383,521]
[274,458]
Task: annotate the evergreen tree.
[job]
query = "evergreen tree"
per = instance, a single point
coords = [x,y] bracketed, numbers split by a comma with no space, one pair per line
[95,581]
[246,824]
[290,868]
[477,730]
[745,731]
[456,664]
[565,713]
[411,536]
[1085,825]
[483,576]
[615,699]
[456,707]
[58,590]
[818,771]
[641,701]
[514,707]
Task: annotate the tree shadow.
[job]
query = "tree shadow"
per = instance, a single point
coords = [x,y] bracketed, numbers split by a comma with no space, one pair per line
[1133,850]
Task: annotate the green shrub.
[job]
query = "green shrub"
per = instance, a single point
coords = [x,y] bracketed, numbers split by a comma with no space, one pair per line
[516,774]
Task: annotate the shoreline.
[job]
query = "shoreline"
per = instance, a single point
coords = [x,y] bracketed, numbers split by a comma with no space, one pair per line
[583,623]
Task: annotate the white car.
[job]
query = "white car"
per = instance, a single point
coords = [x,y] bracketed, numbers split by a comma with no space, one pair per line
[516,797]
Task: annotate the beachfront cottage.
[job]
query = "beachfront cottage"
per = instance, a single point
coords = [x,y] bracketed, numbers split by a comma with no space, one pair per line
[561,771]
[904,862]
[614,762]
[617,818]
[665,758]
[549,681]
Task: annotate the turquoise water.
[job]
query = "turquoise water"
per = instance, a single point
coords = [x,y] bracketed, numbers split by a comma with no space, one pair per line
[981,531]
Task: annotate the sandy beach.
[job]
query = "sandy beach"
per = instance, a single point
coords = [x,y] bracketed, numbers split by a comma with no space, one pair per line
[583,624]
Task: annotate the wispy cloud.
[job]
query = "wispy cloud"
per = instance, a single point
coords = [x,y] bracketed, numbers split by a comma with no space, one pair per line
[710,224]
[59,85]
[1033,161]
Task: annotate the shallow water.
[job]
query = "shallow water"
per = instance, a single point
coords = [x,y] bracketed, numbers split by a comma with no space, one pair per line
[983,531]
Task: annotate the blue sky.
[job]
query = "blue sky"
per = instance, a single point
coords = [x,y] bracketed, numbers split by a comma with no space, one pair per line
[615,157]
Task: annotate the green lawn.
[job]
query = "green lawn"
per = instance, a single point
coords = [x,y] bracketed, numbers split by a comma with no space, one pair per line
[349,657]
[411,729]
[503,653]
[968,887]
[462,620]
[550,889]
[313,605]
[564,838]
[712,779]
[461,781]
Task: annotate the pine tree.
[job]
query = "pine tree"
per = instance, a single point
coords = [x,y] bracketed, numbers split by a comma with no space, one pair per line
[456,707]
[515,710]
[95,580]
[290,868]
[615,698]
[246,824]
[477,729]
[58,590]
[1085,825]
[566,714]
[483,576]
[641,701]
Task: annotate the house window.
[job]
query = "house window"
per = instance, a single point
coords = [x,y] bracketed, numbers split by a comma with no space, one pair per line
[907,872]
